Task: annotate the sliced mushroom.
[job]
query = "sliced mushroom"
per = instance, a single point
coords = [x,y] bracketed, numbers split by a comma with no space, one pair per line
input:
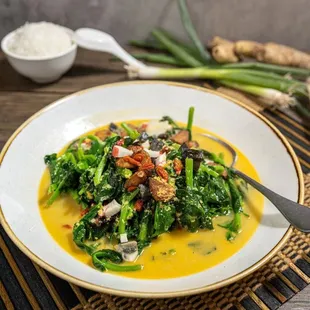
[192,144]
[136,179]
[181,137]
[124,164]
[129,250]
[86,144]
[103,134]
[161,190]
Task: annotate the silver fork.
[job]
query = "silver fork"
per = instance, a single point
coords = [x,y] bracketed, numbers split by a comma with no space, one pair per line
[295,213]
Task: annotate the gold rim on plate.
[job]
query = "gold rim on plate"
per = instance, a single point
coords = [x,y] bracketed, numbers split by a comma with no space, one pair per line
[206,288]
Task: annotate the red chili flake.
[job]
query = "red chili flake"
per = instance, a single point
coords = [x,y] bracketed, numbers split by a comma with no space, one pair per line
[120,142]
[178,166]
[131,161]
[83,212]
[138,205]
[144,126]
[162,172]
[67,226]
[131,188]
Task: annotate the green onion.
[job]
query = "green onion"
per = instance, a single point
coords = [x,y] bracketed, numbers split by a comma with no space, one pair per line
[175,49]
[190,49]
[302,110]
[295,72]
[189,168]
[190,121]
[252,77]
[155,45]
[147,44]
[188,25]
[160,59]
[270,96]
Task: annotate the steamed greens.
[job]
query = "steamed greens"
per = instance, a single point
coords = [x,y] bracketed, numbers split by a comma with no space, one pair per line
[134,185]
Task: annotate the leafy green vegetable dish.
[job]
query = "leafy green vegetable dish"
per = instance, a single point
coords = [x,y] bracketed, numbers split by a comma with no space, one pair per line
[136,183]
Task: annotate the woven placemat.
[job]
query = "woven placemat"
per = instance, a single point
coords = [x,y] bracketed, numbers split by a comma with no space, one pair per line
[272,285]
[24,285]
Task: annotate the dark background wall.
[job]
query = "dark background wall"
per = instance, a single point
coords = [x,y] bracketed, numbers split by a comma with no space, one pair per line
[283,21]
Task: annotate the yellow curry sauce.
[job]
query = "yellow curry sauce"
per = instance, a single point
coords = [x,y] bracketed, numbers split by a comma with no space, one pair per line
[175,254]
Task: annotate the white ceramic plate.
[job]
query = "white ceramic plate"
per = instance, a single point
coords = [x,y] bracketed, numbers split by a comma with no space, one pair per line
[53,127]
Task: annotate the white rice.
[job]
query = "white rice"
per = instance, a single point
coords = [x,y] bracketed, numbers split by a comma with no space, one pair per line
[39,39]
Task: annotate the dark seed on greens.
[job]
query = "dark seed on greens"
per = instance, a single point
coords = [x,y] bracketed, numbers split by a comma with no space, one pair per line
[144,136]
[113,127]
[163,136]
[156,144]
[144,192]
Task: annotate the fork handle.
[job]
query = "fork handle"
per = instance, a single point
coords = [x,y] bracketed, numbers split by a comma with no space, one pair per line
[297,214]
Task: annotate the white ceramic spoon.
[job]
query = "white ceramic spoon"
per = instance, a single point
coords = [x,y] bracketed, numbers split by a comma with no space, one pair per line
[97,40]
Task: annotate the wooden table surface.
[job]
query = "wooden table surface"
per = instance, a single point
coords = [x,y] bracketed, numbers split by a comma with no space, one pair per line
[20,98]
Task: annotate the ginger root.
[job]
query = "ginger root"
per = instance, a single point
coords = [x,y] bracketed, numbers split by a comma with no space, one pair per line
[218,40]
[283,55]
[248,48]
[224,51]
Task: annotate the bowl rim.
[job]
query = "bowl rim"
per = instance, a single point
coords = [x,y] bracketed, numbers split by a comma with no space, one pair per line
[136,294]
[7,38]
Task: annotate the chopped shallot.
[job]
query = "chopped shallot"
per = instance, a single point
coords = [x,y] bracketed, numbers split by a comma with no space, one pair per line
[161,159]
[153,154]
[110,209]
[123,238]
[146,145]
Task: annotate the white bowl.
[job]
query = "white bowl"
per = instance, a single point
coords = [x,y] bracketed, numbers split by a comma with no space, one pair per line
[53,127]
[41,69]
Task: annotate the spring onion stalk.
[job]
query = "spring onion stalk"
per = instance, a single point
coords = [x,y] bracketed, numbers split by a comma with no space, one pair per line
[263,79]
[270,96]
[148,44]
[189,170]
[160,59]
[176,49]
[155,45]
[190,121]
[190,49]
[283,70]
[301,109]
[188,25]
